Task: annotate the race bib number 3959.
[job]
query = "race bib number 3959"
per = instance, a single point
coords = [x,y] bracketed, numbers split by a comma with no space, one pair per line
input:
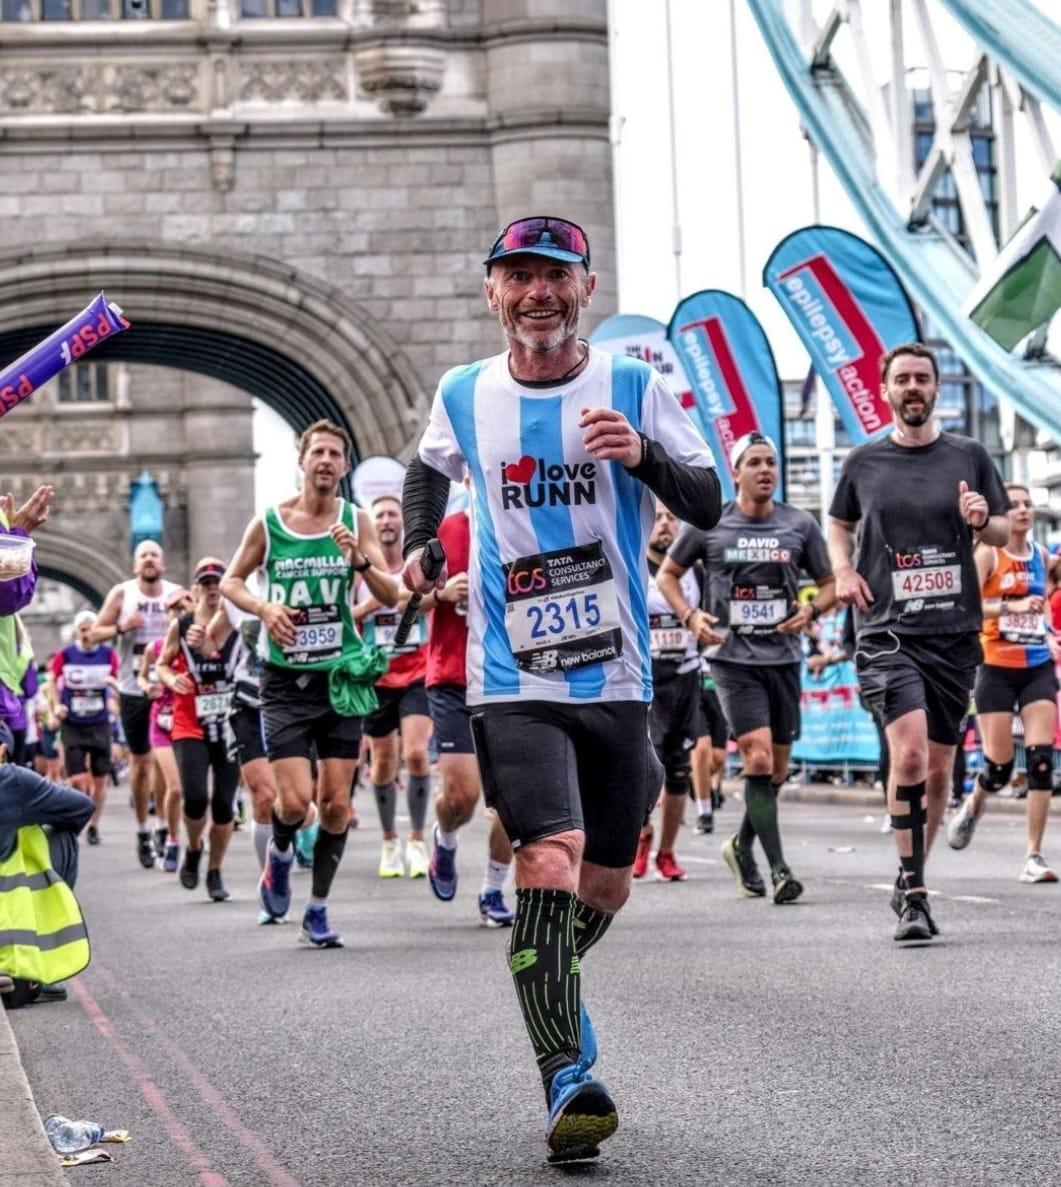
[562,609]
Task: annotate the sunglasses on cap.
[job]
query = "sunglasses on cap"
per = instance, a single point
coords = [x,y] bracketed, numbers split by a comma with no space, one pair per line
[555,238]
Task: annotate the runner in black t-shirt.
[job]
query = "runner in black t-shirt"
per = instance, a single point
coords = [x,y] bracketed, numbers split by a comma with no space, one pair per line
[910,503]
[753,558]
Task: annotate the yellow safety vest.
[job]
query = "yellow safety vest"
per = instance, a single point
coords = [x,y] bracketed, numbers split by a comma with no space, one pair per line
[42,932]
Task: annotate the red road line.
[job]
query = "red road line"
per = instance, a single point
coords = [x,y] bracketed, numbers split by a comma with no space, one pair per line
[246,1137]
[150,1091]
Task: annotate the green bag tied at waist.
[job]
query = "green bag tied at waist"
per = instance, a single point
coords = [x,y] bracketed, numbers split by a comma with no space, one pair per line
[351,681]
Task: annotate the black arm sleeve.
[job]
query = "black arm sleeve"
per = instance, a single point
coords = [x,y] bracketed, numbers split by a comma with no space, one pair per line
[425,494]
[692,493]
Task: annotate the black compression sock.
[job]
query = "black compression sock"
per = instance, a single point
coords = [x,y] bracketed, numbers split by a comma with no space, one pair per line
[590,926]
[545,968]
[762,808]
[327,853]
[416,790]
[746,832]
[283,834]
[913,867]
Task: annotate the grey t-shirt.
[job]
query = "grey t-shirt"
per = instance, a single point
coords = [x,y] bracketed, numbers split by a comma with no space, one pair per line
[913,547]
[753,568]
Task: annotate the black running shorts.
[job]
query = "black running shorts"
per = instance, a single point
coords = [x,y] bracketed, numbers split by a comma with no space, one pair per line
[674,719]
[451,718]
[394,704]
[135,713]
[715,724]
[298,718]
[1008,690]
[86,744]
[550,768]
[755,698]
[900,673]
[246,722]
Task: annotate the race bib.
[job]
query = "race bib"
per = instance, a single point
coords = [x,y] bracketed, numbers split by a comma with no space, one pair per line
[381,627]
[164,720]
[756,609]
[87,704]
[1027,629]
[668,639]
[926,580]
[562,609]
[209,705]
[320,635]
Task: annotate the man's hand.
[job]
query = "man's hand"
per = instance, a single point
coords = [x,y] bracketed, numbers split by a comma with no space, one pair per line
[182,685]
[132,623]
[817,663]
[32,513]
[610,437]
[797,621]
[455,589]
[280,623]
[413,575]
[973,506]
[347,542]
[700,623]
[196,636]
[852,590]
[1032,604]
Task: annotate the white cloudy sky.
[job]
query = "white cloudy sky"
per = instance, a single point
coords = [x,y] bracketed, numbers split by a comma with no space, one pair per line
[776,163]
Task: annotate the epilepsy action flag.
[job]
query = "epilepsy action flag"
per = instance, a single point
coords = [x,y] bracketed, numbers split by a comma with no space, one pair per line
[848,308]
[731,368]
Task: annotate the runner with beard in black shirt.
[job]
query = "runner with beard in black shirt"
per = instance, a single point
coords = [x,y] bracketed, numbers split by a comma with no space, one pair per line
[753,557]
[909,505]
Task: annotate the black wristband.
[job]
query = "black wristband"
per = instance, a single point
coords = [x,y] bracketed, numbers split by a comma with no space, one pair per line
[362,568]
[815,611]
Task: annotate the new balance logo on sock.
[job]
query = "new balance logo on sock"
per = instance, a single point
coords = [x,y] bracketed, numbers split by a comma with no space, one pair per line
[576,966]
[523,959]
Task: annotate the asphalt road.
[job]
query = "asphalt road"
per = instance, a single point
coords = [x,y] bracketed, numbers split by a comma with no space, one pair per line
[744,1043]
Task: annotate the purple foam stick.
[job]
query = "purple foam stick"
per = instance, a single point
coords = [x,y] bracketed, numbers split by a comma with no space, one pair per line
[97,321]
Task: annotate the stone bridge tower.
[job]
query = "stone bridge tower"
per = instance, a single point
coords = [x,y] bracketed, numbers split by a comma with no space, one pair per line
[290,199]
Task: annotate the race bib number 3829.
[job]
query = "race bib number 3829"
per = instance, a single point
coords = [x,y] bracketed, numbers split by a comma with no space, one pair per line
[562,609]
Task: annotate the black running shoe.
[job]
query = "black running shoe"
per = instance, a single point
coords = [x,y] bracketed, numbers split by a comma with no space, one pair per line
[145,850]
[215,887]
[744,870]
[915,923]
[189,871]
[93,835]
[786,887]
[161,834]
[705,823]
[898,901]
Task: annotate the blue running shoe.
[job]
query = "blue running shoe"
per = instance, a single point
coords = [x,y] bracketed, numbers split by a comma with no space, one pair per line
[493,912]
[274,887]
[305,839]
[265,918]
[582,1114]
[315,930]
[587,1053]
[442,870]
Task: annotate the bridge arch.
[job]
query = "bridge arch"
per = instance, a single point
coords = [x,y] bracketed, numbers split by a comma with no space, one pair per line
[78,562]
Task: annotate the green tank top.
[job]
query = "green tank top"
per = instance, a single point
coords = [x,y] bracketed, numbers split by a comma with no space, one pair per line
[310,575]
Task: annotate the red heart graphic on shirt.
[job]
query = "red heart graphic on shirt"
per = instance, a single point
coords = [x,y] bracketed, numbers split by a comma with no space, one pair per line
[521,471]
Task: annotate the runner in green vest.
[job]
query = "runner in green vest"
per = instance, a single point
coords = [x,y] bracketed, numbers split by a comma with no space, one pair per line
[317,674]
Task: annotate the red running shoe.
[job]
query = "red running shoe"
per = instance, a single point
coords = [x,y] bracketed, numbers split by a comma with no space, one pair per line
[667,869]
[641,860]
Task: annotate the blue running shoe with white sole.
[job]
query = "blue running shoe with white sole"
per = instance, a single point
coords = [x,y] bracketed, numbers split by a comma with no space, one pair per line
[582,1114]
[587,1052]
[493,911]
[274,887]
[442,869]
[316,931]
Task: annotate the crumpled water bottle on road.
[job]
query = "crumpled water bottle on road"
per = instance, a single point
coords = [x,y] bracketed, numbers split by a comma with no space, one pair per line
[68,1137]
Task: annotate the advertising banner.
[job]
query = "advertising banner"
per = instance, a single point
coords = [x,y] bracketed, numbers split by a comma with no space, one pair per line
[730,366]
[376,476]
[644,338]
[835,728]
[847,306]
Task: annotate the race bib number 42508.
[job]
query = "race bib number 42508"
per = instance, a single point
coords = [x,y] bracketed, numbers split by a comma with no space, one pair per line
[562,609]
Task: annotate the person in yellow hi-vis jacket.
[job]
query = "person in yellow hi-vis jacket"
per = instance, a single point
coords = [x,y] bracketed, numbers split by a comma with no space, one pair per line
[43,938]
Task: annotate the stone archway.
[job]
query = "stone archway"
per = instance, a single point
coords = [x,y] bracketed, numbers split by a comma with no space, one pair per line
[78,562]
[279,333]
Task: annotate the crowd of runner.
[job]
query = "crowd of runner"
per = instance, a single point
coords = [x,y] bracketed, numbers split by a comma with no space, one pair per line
[604,631]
